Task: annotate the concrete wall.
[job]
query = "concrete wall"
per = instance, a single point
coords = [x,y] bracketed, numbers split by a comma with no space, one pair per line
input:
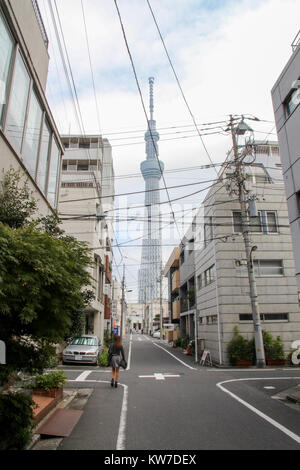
[224,299]
[289,142]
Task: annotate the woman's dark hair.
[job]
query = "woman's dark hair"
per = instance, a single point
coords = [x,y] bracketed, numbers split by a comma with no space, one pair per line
[118,342]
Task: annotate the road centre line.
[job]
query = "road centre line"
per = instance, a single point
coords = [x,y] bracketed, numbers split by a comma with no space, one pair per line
[179,360]
[286,431]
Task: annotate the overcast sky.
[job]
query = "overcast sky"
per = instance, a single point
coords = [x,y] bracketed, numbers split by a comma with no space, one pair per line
[227,55]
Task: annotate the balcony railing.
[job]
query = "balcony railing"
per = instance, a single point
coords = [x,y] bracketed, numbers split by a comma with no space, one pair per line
[296,41]
[40,22]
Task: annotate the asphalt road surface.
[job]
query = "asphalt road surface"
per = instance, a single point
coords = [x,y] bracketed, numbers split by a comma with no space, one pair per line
[166,402]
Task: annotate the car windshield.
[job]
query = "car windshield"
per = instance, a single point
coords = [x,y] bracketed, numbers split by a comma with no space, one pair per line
[82,341]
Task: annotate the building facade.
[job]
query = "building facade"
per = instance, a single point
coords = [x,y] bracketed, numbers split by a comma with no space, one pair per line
[286,103]
[221,276]
[86,197]
[29,139]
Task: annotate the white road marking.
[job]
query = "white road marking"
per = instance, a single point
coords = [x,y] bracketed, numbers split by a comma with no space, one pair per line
[121,441]
[277,425]
[158,376]
[269,388]
[83,375]
[129,354]
[179,360]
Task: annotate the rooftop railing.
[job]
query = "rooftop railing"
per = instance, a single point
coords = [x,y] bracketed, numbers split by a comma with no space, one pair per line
[40,22]
[296,41]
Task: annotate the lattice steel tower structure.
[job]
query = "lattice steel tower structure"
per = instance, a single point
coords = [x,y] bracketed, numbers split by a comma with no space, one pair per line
[152,171]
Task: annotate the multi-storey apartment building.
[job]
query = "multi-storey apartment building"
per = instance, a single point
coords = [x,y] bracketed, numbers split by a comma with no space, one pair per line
[86,201]
[221,278]
[187,292]
[172,273]
[286,103]
[29,139]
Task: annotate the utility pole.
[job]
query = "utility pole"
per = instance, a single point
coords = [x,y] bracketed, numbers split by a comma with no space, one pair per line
[160,282]
[122,302]
[259,346]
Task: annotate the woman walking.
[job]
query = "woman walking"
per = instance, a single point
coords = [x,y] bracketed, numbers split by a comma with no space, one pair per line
[114,356]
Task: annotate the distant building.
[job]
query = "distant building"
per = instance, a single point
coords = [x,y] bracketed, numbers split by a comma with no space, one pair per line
[172,273]
[286,103]
[221,279]
[29,139]
[135,315]
[87,192]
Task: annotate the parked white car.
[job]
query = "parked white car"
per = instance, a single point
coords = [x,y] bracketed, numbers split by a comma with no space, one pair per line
[85,348]
[156,334]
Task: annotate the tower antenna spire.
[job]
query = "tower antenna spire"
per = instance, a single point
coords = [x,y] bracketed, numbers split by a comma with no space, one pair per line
[151,82]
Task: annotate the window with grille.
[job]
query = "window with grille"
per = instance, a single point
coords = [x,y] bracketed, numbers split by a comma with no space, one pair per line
[268,267]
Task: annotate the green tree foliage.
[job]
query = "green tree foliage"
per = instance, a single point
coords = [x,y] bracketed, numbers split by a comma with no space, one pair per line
[43,281]
[16,418]
[17,204]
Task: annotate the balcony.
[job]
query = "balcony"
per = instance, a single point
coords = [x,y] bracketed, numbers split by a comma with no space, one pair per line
[176,281]
[176,310]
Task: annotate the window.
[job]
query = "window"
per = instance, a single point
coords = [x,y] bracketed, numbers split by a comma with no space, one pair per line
[268,267]
[82,166]
[7,46]
[18,104]
[271,317]
[266,222]
[32,137]
[272,222]
[43,160]
[53,173]
[209,275]
[182,257]
[199,281]
[292,101]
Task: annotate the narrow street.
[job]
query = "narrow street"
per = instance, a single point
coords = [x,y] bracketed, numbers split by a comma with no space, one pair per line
[165,402]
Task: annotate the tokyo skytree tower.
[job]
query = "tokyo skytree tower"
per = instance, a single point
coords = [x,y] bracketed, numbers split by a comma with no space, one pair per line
[152,171]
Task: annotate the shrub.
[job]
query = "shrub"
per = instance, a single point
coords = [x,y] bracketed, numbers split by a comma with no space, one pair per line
[184,342]
[16,421]
[51,380]
[177,342]
[103,358]
[273,346]
[240,348]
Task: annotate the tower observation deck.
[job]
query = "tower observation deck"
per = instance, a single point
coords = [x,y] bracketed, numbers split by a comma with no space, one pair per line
[152,170]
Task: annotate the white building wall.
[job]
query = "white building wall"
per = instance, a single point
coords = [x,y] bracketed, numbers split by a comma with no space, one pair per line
[220,303]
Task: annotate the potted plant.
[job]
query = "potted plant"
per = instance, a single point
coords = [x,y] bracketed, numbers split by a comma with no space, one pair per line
[49,385]
[240,350]
[274,350]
